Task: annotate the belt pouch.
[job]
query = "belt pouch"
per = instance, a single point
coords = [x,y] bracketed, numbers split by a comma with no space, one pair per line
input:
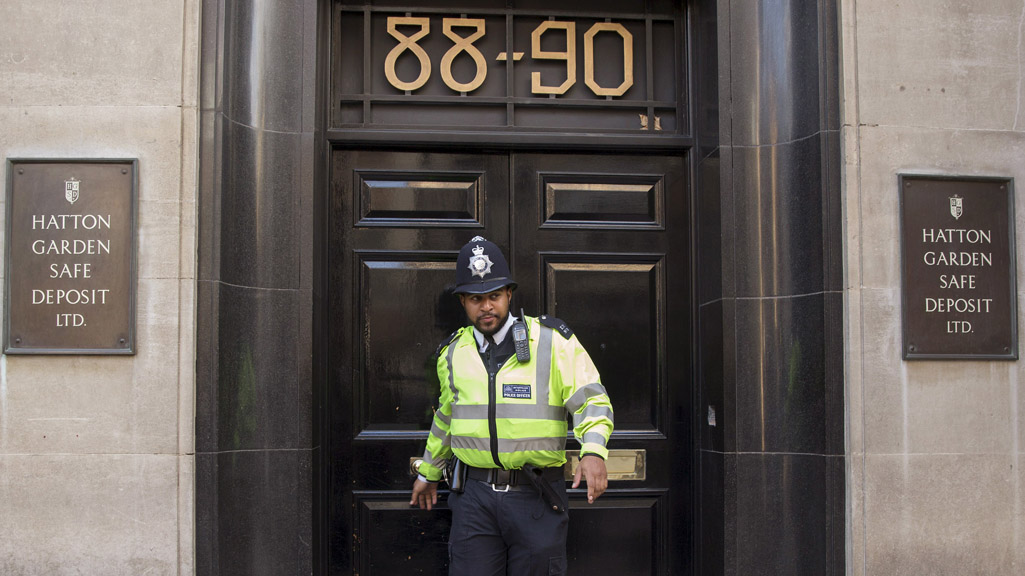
[456,475]
[536,477]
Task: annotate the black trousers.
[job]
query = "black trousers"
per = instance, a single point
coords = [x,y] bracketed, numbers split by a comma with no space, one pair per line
[506,533]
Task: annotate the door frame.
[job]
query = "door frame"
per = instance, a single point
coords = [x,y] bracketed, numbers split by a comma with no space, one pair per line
[329,139]
[685,525]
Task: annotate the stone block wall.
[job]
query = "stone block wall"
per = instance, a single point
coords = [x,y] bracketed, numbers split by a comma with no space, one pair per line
[97,452]
[935,476]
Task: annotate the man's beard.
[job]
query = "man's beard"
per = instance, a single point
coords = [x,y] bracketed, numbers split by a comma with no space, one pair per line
[490,332]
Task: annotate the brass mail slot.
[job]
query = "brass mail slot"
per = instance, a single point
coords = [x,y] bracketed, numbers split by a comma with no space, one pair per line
[621,464]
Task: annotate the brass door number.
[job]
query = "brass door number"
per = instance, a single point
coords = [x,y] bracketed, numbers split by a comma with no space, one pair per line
[466,44]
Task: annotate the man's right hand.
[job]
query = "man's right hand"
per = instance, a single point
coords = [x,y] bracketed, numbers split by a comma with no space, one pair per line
[425,494]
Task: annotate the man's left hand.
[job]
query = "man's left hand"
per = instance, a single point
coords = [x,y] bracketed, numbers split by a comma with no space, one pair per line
[592,469]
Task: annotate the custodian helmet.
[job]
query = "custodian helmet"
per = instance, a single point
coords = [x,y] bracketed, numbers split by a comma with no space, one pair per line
[481,268]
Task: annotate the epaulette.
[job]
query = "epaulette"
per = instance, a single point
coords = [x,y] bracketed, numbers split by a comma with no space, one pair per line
[448,340]
[557,325]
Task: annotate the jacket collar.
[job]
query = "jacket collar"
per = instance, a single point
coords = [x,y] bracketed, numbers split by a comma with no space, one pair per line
[499,336]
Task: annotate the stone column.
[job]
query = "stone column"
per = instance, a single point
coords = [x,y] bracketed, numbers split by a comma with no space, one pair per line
[254,418]
[771,410]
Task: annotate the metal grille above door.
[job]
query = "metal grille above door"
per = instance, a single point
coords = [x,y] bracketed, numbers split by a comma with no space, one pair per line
[515,67]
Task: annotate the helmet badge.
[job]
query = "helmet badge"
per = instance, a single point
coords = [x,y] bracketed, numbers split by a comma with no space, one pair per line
[480,264]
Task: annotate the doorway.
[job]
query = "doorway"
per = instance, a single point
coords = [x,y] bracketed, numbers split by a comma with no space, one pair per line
[598,240]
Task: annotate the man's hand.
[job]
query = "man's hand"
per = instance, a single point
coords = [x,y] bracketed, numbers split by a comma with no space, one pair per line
[592,468]
[425,494]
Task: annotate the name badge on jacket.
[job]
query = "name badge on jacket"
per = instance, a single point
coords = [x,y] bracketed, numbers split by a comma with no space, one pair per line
[516,391]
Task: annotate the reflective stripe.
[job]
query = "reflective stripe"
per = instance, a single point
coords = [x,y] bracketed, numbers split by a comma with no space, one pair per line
[506,445]
[594,438]
[437,432]
[471,412]
[471,443]
[436,462]
[523,411]
[593,412]
[544,365]
[529,444]
[581,396]
[451,374]
[445,419]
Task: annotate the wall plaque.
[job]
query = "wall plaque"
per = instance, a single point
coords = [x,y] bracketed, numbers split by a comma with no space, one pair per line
[70,256]
[958,268]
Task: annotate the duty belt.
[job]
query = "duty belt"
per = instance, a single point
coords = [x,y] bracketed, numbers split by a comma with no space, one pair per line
[503,480]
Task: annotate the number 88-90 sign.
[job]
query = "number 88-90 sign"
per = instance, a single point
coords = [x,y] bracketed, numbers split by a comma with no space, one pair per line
[464,32]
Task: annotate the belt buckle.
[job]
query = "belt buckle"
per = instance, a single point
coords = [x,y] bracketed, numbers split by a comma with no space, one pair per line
[497,475]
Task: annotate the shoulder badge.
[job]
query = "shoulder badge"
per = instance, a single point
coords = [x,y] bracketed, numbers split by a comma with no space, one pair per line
[447,340]
[557,325]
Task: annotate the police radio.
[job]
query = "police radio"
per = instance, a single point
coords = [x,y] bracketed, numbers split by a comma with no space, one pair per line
[519,336]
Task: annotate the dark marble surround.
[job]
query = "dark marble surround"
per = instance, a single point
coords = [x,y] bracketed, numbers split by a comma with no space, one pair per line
[772,495]
[768,282]
[256,451]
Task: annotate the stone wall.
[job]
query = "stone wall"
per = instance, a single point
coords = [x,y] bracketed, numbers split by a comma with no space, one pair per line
[934,474]
[97,452]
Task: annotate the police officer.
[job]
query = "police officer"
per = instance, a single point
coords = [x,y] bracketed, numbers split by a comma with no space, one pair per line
[507,385]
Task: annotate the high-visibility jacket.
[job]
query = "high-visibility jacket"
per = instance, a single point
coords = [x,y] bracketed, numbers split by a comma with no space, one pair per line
[518,414]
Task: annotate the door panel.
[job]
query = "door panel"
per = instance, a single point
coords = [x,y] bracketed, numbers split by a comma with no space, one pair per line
[601,242]
[625,348]
[396,223]
[386,281]
[597,240]
[393,198]
[596,200]
[628,530]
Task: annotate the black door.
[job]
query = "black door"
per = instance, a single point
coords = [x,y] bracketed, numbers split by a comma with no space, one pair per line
[600,241]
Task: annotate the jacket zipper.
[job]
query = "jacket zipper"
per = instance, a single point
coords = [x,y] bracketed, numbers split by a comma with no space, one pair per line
[492,409]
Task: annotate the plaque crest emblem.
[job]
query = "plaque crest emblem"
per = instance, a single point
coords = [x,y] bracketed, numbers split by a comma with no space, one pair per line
[480,264]
[956,206]
[71,190]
